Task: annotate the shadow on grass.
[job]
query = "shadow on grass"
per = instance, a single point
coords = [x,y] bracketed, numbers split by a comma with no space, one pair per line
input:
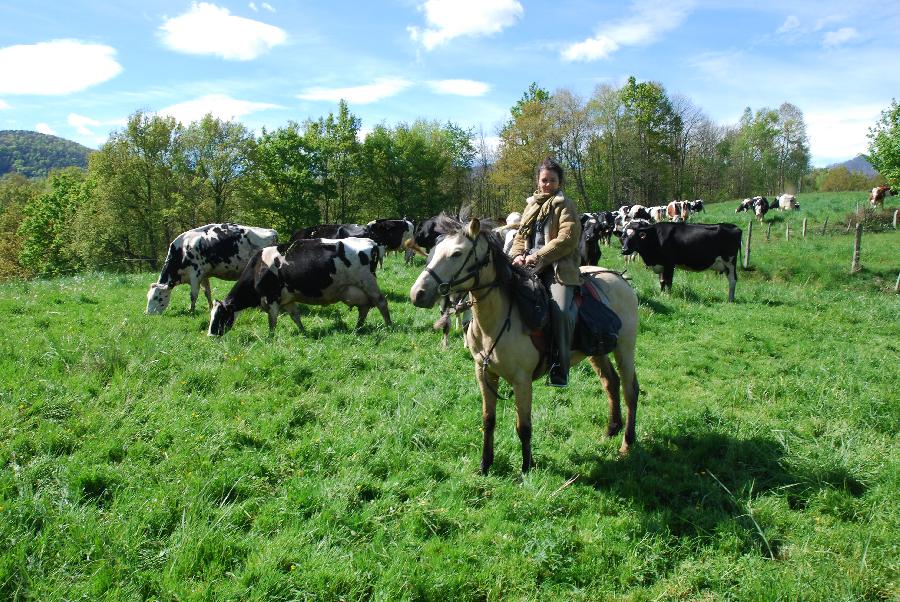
[690,485]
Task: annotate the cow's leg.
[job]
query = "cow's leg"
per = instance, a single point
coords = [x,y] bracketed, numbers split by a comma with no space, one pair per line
[363,312]
[294,311]
[381,304]
[488,384]
[208,292]
[665,277]
[731,271]
[195,292]
[273,310]
[523,392]
[624,355]
[610,380]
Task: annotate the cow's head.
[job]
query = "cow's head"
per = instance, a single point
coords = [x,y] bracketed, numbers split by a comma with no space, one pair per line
[158,298]
[221,319]
[635,237]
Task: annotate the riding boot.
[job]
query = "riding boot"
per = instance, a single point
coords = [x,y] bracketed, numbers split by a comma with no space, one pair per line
[563,313]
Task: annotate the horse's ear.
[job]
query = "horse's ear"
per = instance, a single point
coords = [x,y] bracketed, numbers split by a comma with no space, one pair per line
[473,228]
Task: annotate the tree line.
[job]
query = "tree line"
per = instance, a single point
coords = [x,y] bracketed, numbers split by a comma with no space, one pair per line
[156,177]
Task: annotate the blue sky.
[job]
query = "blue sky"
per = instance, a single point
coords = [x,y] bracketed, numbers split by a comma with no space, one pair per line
[78,68]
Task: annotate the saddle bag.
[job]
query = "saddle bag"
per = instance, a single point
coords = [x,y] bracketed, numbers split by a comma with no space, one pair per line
[597,329]
[532,299]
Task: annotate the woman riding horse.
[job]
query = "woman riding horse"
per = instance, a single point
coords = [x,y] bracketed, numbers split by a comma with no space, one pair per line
[470,259]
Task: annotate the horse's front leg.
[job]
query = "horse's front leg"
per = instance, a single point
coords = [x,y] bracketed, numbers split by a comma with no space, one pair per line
[488,383]
[522,390]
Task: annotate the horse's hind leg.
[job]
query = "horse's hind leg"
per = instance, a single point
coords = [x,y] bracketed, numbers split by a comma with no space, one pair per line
[610,380]
[625,362]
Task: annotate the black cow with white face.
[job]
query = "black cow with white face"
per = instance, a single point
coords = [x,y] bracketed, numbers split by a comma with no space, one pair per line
[694,247]
[220,250]
[334,231]
[589,245]
[697,206]
[310,271]
[392,234]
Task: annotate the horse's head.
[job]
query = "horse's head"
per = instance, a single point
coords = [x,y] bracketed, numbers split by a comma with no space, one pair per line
[455,263]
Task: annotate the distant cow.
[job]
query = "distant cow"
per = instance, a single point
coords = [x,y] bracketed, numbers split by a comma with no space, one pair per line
[759,205]
[876,198]
[658,213]
[220,250]
[746,205]
[678,211]
[310,271]
[787,202]
[330,231]
[697,206]
[693,247]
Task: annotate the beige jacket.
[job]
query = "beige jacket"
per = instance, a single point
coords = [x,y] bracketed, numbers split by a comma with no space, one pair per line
[562,232]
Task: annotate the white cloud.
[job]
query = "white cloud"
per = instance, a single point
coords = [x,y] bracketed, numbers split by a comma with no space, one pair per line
[839,133]
[790,24]
[4,105]
[268,7]
[650,19]
[221,106]
[209,29]
[43,128]
[56,67]
[85,126]
[253,7]
[381,88]
[459,87]
[840,37]
[448,19]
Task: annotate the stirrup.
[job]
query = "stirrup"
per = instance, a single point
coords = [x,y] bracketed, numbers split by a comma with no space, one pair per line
[556,377]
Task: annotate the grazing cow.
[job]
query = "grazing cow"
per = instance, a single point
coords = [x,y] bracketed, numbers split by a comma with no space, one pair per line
[220,250]
[787,202]
[745,205]
[876,198]
[330,231]
[693,247]
[638,212]
[313,271]
[697,206]
[589,244]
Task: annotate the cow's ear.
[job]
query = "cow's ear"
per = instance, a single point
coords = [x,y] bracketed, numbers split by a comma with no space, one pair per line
[473,228]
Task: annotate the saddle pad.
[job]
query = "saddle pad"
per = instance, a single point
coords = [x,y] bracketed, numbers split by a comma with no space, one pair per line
[597,329]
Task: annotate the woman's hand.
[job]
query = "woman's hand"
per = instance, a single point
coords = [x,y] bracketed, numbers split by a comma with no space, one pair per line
[518,260]
[531,261]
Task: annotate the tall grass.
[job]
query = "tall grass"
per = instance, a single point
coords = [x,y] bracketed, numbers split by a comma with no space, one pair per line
[143,460]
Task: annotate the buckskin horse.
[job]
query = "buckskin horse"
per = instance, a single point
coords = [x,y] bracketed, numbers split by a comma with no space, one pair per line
[472,259]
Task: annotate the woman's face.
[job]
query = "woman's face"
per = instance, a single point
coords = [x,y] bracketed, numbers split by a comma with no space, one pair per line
[548,181]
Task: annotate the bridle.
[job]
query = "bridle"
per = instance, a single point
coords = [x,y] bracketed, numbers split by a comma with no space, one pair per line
[446,287]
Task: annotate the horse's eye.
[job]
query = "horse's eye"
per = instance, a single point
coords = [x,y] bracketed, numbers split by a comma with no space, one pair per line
[456,254]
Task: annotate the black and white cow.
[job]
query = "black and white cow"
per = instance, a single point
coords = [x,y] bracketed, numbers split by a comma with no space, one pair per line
[697,206]
[786,202]
[310,271]
[424,237]
[759,205]
[694,247]
[220,250]
[392,234]
[330,231]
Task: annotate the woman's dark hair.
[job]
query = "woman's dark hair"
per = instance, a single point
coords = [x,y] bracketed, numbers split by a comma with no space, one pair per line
[550,165]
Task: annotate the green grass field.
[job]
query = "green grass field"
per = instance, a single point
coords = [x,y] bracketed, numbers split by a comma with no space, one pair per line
[142,460]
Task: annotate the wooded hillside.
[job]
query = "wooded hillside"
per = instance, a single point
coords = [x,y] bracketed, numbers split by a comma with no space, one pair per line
[33,154]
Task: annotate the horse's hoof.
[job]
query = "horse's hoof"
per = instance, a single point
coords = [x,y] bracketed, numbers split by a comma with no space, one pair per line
[613,429]
[624,450]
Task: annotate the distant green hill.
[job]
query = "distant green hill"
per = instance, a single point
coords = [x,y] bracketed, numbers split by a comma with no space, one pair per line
[33,154]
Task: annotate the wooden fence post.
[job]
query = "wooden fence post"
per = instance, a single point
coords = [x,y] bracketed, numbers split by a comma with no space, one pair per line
[849,223]
[768,231]
[857,207]
[896,211]
[854,267]
[804,227]
[787,232]
[825,226]
[747,244]
[897,285]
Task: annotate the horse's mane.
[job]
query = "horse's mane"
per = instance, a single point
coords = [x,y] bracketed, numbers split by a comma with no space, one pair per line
[507,273]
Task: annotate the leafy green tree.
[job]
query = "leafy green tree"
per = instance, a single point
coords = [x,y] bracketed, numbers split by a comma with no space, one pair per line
[46,232]
[16,193]
[289,166]
[136,209]
[884,144]
[792,147]
[218,154]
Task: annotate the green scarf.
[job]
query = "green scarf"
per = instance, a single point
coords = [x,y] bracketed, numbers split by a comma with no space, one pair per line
[534,213]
